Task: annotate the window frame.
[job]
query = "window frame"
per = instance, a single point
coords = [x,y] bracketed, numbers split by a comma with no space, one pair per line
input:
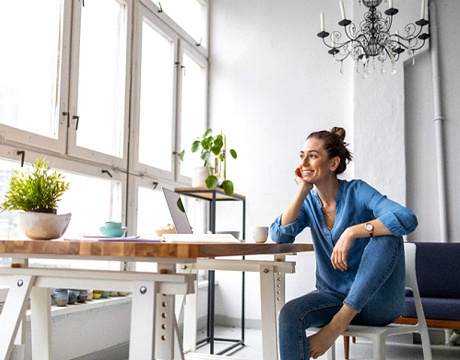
[196,55]
[12,135]
[63,152]
[73,149]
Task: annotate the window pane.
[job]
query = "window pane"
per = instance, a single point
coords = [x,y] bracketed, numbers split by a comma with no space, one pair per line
[92,201]
[30,65]
[156,99]
[102,72]
[8,219]
[188,14]
[193,111]
[152,212]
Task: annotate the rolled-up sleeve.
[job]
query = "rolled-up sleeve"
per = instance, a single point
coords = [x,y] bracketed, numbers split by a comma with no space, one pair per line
[287,233]
[398,219]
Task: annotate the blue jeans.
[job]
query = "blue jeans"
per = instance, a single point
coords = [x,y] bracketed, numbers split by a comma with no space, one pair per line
[377,293]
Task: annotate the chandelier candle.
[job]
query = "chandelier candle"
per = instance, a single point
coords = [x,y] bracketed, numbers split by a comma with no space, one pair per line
[342,10]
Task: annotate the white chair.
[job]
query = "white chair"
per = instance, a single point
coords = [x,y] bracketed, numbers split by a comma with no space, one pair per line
[378,334]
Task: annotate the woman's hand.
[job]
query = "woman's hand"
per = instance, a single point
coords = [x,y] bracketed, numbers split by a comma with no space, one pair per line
[340,251]
[299,180]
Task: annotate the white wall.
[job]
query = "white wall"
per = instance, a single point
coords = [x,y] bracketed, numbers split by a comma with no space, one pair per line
[272,83]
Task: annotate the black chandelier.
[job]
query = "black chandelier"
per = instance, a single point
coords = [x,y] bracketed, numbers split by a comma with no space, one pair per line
[372,40]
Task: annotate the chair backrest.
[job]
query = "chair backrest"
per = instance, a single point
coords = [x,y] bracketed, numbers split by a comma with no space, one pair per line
[411,278]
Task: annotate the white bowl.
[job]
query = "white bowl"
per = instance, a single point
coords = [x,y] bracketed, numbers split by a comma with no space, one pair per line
[42,226]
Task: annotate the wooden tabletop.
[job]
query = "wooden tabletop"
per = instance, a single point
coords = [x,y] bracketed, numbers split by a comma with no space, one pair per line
[119,250]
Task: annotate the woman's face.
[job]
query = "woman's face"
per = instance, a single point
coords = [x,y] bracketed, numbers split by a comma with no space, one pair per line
[315,164]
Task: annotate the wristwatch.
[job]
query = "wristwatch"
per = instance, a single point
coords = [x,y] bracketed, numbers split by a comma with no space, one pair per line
[370,228]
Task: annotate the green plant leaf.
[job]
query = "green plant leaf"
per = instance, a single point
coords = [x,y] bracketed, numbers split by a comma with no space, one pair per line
[227,185]
[233,153]
[216,149]
[196,145]
[37,189]
[211,182]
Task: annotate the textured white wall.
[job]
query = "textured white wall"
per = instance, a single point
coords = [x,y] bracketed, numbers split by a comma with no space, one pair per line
[271,84]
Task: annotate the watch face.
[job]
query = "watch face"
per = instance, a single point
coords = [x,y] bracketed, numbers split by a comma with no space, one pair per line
[369,227]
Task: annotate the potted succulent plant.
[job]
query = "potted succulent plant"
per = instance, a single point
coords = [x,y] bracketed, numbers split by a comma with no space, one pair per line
[37,192]
[213,152]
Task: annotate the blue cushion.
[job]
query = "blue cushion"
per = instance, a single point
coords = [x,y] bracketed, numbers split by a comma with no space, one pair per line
[438,269]
[435,308]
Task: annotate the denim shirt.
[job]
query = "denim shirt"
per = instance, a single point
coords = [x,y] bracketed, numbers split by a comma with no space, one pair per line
[356,203]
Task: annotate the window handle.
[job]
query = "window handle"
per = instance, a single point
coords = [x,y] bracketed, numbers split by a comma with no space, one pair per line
[66,114]
[76,117]
[23,154]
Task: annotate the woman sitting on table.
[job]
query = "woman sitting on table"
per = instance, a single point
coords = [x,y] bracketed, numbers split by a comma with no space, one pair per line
[357,237]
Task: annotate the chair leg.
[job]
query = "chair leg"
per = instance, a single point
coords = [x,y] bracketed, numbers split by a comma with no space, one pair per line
[331,353]
[426,344]
[379,348]
[346,347]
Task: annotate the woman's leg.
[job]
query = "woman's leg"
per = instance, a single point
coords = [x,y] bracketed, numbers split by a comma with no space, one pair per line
[320,342]
[376,296]
[314,309]
[378,288]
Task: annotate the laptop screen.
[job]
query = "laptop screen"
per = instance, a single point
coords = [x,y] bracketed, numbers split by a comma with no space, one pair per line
[177,211]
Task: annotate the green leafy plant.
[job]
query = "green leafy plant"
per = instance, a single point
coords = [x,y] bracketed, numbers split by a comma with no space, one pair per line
[213,153]
[38,189]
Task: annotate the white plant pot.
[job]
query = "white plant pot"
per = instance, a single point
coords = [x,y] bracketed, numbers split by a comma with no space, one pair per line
[199,176]
[42,226]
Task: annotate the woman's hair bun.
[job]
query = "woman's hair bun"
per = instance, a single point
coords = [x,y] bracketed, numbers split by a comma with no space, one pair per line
[340,132]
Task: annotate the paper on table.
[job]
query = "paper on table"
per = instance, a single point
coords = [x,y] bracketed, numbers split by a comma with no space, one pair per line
[201,238]
[103,238]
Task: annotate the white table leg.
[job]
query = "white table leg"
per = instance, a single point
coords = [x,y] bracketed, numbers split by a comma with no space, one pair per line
[13,312]
[167,343]
[40,305]
[269,315]
[165,327]
[190,310]
[141,345]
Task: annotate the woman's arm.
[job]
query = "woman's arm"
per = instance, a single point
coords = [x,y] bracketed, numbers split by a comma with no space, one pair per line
[292,211]
[278,232]
[391,218]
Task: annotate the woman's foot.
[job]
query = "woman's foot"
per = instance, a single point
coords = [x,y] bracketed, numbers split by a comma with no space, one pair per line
[320,342]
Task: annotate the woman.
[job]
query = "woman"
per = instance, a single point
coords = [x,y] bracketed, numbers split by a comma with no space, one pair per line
[357,236]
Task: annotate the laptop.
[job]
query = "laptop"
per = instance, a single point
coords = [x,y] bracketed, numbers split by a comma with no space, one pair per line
[177,211]
[182,224]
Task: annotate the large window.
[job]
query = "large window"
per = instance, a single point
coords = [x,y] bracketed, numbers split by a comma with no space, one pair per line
[169,97]
[31,71]
[101,95]
[109,91]
[158,75]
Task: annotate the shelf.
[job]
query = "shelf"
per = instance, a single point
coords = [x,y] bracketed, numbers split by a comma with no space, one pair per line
[207,194]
